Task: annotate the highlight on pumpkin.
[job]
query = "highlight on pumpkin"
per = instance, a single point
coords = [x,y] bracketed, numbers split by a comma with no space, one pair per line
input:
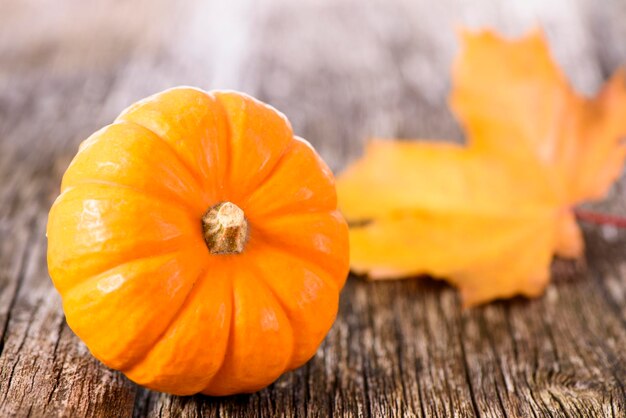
[197,245]
[489,216]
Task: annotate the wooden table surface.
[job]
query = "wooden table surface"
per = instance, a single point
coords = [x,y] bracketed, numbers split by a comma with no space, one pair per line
[342,71]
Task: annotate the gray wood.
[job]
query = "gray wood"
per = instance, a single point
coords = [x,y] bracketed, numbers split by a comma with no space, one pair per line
[342,71]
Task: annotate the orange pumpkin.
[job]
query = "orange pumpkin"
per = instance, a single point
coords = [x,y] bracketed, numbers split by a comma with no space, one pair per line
[197,245]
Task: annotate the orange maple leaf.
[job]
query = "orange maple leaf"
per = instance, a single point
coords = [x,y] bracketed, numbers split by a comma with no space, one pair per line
[489,216]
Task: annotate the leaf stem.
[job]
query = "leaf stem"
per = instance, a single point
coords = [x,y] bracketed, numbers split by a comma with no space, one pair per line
[598,218]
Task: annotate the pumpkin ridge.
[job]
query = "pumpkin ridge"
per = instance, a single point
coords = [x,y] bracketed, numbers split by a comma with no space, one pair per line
[151,195]
[296,253]
[282,213]
[316,268]
[145,249]
[148,254]
[227,145]
[299,254]
[322,275]
[220,98]
[112,185]
[208,389]
[229,341]
[287,208]
[259,274]
[192,172]
[299,251]
[175,317]
[72,289]
[76,292]
[179,182]
[271,171]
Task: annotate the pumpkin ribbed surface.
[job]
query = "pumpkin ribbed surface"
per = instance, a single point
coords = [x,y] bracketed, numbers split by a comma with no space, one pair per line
[129,255]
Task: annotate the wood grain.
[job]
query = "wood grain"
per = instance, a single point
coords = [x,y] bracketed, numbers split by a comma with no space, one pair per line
[342,71]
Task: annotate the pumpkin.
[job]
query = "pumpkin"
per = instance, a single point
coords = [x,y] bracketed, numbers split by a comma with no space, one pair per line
[196,244]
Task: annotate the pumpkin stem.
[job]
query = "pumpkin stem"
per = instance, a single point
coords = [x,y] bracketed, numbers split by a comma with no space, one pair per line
[225,229]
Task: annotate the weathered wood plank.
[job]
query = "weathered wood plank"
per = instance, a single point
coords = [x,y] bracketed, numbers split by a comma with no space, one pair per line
[342,71]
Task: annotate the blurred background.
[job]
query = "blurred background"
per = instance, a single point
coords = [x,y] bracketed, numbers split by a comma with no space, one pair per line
[342,70]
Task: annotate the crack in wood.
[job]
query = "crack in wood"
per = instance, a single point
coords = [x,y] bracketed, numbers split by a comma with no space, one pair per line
[19,281]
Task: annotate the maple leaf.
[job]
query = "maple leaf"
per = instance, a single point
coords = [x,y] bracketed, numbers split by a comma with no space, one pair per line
[489,216]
